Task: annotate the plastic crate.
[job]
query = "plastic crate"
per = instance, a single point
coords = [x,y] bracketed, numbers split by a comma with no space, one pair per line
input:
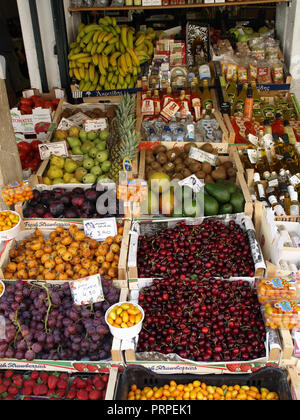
[274,379]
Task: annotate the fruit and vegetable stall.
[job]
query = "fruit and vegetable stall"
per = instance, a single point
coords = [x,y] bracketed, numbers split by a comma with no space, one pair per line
[152,253]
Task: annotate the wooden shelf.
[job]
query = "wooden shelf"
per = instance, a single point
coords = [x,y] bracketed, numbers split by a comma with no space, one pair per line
[178,6]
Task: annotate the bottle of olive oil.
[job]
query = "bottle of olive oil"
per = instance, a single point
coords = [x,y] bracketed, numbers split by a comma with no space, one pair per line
[232,90]
[207,103]
[238,107]
[273,200]
[259,188]
[257,116]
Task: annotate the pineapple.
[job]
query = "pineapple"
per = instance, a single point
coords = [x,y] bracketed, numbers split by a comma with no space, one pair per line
[124,143]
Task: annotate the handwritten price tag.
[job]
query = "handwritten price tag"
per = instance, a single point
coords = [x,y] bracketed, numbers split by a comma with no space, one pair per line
[202,156]
[95,124]
[58,149]
[87,290]
[100,229]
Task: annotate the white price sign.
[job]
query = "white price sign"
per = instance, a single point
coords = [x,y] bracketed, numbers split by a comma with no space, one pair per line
[95,124]
[87,290]
[202,156]
[193,182]
[58,149]
[100,229]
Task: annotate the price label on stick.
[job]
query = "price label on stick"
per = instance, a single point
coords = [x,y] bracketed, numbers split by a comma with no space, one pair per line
[100,229]
[58,149]
[87,290]
[202,156]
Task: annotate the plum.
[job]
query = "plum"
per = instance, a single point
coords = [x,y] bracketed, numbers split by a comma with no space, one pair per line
[27,211]
[91,195]
[78,190]
[47,216]
[41,209]
[36,195]
[57,208]
[66,200]
[71,213]
[58,192]
[45,197]
[78,200]
[88,207]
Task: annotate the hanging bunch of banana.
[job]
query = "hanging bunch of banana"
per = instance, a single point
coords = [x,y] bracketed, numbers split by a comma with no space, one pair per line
[108,56]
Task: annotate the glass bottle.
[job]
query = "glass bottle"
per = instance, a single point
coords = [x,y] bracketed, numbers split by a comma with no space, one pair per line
[258,187]
[273,200]
[290,132]
[196,101]
[249,101]
[156,101]
[207,103]
[232,90]
[238,107]
[294,203]
[284,197]
[185,105]
[262,165]
[167,96]
[256,102]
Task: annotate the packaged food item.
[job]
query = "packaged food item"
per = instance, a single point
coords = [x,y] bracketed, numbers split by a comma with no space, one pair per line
[275,288]
[264,73]
[277,72]
[242,74]
[17,192]
[231,71]
[282,313]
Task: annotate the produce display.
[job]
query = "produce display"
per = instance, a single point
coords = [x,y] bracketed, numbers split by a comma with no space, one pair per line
[203,319]
[67,254]
[51,386]
[200,391]
[29,154]
[125,315]
[27,105]
[8,220]
[282,313]
[69,204]
[16,192]
[42,322]
[108,56]
[207,250]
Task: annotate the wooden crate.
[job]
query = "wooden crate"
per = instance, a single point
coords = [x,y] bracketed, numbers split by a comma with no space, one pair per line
[294,381]
[225,153]
[166,365]
[148,226]
[47,226]
[112,384]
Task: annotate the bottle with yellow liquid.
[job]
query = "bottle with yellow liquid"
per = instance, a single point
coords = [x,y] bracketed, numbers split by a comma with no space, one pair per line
[257,116]
[207,103]
[238,107]
[232,90]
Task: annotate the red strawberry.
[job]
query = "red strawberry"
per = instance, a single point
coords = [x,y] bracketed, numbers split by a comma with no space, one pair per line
[99,384]
[3,388]
[92,368]
[89,388]
[71,395]
[27,399]
[105,378]
[18,380]
[13,390]
[61,384]
[245,367]
[29,382]
[79,366]
[27,390]
[80,383]
[52,381]
[6,382]
[82,395]
[40,389]
[8,373]
[34,375]
[44,377]
[95,395]
[9,398]
[64,376]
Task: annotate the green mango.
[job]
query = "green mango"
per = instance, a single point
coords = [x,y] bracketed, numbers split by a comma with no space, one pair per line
[217,191]
[226,209]
[211,205]
[237,201]
[230,186]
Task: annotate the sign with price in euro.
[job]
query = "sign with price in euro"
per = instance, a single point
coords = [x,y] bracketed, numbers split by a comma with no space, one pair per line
[87,291]
[100,229]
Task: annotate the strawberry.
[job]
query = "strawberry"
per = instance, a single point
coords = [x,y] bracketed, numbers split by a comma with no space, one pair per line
[64,376]
[95,395]
[27,390]
[80,383]
[89,388]
[52,381]
[71,395]
[61,384]
[6,382]
[8,373]
[34,375]
[79,366]
[99,384]
[40,389]
[9,397]
[44,377]
[92,368]
[13,390]
[27,399]
[29,382]
[105,378]
[3,388]
[82,395]
[18,380]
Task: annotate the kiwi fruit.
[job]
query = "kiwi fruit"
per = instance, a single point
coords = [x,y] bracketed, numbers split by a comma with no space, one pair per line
[149,158]
[160,149]
[186,172]
[200,174]
[177,175]
[207,148]
[209,180]
[228,164]
[195,167]
[172,155]
[169,167]
[155,165]
[161,158]
[178,160]
[206,167]
[231,172]
[219,173]
[179,167]
[187,147]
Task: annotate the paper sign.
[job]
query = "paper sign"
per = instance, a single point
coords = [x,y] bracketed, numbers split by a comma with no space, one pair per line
[58,149]
[95,124]
[193,182]
[100,229]
[79,118]
[202,156]
[87,290]
[66,124]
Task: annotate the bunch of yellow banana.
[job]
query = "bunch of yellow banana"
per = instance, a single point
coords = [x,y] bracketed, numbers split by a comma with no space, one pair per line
[107,56]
